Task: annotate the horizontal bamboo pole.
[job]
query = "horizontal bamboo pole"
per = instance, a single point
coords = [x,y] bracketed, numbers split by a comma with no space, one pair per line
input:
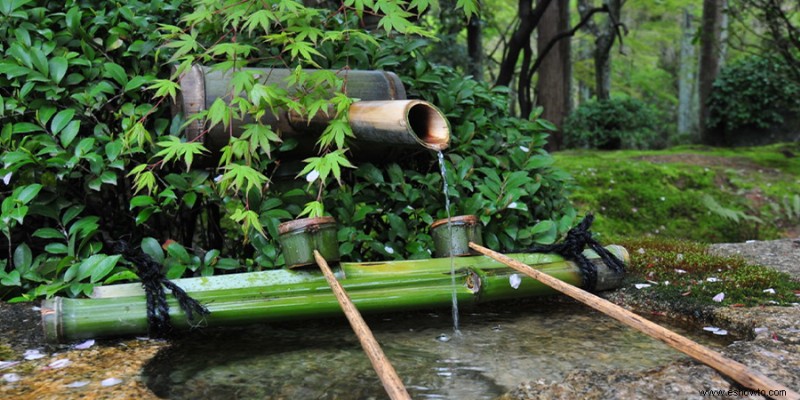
[739,372]
[391,381]
[295,295]
[376,270]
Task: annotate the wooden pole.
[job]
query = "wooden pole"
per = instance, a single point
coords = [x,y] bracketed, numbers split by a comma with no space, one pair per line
[739,372]
[391,381]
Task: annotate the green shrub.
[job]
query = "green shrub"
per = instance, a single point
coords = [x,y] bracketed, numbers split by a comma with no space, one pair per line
[753,92]
[612,124]
[88,147]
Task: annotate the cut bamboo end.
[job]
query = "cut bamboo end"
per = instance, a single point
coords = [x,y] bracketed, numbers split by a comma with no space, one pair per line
[410,122]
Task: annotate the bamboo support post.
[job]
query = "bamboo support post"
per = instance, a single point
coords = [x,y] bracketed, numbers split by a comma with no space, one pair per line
[738,372]
[391,381]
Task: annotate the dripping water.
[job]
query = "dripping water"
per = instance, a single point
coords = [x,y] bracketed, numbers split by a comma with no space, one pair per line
[450,234]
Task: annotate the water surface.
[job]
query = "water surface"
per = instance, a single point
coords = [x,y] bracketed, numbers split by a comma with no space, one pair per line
[500,346]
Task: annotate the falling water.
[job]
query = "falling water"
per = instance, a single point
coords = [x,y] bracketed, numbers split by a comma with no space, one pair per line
[450,232]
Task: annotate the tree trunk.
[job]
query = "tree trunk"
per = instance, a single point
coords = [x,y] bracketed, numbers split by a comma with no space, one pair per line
[555,72]
[475,48]
[709,65]
[521,39]
[602,52]
[687,115]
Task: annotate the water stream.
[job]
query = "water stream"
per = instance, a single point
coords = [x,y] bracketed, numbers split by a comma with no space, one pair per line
[456,331]
[501,346]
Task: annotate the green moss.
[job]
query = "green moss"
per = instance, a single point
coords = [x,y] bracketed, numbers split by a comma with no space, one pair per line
[695,276]
[661,193]
[6,353]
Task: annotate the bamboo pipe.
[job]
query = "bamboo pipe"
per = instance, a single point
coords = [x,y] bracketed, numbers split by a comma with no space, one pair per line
[739,372]
[391,381]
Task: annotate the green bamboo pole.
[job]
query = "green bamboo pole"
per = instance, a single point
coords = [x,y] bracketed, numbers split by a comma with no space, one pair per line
[478,280]
[391,381]
[369,270]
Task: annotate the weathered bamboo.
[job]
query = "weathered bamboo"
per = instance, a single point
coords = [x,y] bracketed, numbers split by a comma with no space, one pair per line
[382,116]
[391,381]
[300,294]
[739,372]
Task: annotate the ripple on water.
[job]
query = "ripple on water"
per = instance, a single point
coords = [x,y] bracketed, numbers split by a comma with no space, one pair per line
[498,349]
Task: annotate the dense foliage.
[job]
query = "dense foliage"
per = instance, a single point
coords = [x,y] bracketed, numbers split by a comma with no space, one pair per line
[612,124]
[753,92]
[90,151]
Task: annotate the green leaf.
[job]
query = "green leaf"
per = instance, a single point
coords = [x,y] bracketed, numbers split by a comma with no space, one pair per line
[27,193]
[151,247]
[115,72]
[61,120]
[48,233]
[177,251]
[142,201]
[22,257]
[103,267]
[544,232]
[58,68]
[10,279]
[70,132]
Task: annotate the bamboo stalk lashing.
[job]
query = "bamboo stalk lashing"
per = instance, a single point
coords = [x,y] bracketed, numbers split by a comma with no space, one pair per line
[740,373]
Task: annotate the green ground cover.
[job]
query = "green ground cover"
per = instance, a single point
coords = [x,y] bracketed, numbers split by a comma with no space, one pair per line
[665,206]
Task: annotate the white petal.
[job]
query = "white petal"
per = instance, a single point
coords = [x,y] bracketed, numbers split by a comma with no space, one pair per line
[111,382]
[513,205]
[719,297]
[721,332]
[77,384]
[60,363]
[523,148]
[11,378]
[712,279]
[312,176]
[770,291]
[33,354]
[679,271]
[641,285]
[84,345]
[514,280]
[389,249]
[7,178]
[710,328]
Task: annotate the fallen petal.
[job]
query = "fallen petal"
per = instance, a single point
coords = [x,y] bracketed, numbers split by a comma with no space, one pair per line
[77,384]
[721,332]
[641,285]
[770,291]
[33,354]
[710,328]
[111,382]
[712,279]
[760,329]
[719,297]
[60,363]
[514,280]
[7,364]
[7,178]
[11,378]
[680,271]
[85,345]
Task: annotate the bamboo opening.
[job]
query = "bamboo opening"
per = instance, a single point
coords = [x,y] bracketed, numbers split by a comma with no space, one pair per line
[429,125]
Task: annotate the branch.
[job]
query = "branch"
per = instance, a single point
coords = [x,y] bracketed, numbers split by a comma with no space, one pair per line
[585,20]
[529,19]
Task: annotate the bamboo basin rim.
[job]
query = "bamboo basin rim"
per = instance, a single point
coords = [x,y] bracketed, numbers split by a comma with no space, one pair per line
[304,223]
[457,220]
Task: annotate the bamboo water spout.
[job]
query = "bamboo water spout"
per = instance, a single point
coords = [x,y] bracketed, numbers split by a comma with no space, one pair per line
[382,116]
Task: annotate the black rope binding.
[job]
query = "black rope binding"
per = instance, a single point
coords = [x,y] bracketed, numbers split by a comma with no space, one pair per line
[154,281]
[572,250]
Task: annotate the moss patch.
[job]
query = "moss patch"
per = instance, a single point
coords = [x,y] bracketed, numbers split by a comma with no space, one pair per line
[686,273]
[665,193]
